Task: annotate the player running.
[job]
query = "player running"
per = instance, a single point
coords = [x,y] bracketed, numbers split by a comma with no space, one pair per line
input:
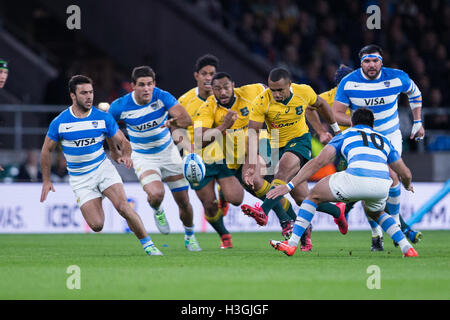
[377,88]
[216,169]
[224,117]
[81,130]
[146,112]
[282,107]
[369,155]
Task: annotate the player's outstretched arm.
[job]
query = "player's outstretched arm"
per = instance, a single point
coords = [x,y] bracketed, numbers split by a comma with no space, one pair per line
[251,159]
[404,173]
[339,110]
[178,117]
[326,156]
[314,120]
[46,163]
[125,149]
[325,111]
[114,150]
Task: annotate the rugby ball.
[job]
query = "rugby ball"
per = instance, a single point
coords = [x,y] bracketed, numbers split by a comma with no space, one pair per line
[194,168]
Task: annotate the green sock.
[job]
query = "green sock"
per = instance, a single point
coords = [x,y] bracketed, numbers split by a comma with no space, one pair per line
[403,224]
[291,213]
[217,223]
[329,208]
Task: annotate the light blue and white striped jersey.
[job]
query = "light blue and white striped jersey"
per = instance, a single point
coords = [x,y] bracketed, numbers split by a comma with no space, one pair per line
[82,138]
[379,95]
[367,152]
[144,122]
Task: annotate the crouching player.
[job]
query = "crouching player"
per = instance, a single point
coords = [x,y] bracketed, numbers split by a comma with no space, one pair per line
[366,178]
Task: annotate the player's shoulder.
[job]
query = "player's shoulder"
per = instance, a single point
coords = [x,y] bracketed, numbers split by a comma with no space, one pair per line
[188,95]
[394,73]
[64,116]
[249,91]
[121,101]
[354,76]
[97,113]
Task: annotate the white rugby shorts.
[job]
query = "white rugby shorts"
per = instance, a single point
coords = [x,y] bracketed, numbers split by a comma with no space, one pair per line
[91,185]
[373,191]
[396,140]
[166,163]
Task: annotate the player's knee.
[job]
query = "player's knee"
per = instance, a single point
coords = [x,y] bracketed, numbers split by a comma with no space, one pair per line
[235,199]
[96,226]
[156,196]
[211,208]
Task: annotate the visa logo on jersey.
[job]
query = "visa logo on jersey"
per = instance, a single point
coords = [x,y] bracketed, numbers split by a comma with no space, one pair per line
[84,142]
[148,125]
[374,101]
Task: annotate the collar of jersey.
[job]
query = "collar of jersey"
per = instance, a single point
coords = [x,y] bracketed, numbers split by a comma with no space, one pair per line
[362,126]
[135,102]
[73,114]
[218,103]
[285,102]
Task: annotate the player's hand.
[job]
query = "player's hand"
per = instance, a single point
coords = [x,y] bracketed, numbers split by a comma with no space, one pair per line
[126,161]
[249,175]
[417,131]
[278,191]
[170,123]
[47,186]
[1,168]
[409,187]
[115,155]
[230,118]
[325,137]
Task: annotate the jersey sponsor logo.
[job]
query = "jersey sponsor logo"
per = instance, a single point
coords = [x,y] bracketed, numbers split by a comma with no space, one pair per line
[374,101]
[84,142]
[147,125]
[282,125]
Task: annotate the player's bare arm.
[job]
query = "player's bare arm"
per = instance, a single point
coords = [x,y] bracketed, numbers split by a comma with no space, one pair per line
[46,164]
[251,158]
[404,173]
[178,117]
[314,120]
[326,156]
[119,139]
[114,150]
[418,131]
[339,110]
[205,136]
[325,111]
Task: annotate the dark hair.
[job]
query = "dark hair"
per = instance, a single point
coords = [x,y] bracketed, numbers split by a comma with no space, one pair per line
[340,73]
[76,80]
[220,75]
[278,74]
[363,116]
[206,60]
[142,71]
[371,48]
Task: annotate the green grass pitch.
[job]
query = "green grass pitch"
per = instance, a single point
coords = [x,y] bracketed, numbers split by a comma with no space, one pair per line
[114,266]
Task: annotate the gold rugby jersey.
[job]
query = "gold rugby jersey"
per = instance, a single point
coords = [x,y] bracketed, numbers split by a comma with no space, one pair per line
[211,115]
[288,117]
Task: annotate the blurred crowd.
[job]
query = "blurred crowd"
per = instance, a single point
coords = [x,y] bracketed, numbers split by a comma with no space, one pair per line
[311,38]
